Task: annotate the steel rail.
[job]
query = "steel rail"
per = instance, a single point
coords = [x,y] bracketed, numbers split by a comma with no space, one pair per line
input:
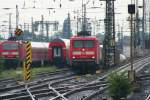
[95,93]
[136,68]
[148,97]
[32,96]
[123,67]
[60,95]
[98,80]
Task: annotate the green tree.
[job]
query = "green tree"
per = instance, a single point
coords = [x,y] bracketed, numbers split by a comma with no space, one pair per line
[119,85]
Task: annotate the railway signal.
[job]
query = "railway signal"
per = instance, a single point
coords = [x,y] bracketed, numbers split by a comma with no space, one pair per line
[131,11]
[18,32]
[28,61]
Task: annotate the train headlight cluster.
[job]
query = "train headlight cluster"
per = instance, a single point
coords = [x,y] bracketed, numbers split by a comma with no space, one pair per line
[73,57]
[89,52]
[5,53]
[14,53]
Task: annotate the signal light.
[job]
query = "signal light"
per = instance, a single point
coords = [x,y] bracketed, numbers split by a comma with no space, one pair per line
[131,8]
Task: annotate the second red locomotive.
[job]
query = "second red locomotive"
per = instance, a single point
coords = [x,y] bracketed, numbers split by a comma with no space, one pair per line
[84,50]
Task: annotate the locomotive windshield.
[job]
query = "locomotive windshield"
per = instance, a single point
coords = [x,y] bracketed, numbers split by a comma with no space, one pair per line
[10,46]
[78,44]
[83,43]
[88,44]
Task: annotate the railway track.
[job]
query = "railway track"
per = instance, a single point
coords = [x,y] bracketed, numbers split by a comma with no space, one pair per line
[19,91]
[70,95]
[8,82]
[69,87]
[138,65]
[49,74]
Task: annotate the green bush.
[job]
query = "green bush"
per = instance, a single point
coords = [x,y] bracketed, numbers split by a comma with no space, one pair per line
[119,85]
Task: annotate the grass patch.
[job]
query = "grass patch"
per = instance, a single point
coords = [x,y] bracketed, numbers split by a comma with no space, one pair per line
[8,73]
[18,73]
[45,69]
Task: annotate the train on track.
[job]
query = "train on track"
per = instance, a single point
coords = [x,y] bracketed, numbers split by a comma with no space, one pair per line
[85,52]
[14,52]
[58,51]
[77,52]
[81,52]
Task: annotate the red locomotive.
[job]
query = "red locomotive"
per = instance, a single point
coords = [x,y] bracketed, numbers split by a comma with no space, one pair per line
[84,50]
[15,51]
[10,50]
[58,51]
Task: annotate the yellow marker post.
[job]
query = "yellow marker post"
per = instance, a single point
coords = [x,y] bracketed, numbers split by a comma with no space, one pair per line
[78,78]
[27,71]
[27,62]
[28,52]
[24,70]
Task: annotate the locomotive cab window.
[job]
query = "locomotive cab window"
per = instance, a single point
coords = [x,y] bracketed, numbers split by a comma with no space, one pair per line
[78,44]
[10,46]
[88,44]
[83,43]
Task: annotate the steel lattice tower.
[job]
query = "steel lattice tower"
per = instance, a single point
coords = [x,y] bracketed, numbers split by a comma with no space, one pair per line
[109,41]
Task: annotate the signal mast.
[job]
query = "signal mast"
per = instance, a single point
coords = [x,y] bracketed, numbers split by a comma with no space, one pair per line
[109,41]
[84,31]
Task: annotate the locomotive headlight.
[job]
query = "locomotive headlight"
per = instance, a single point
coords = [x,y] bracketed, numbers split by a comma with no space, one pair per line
[93,57]
[73,57]
[83,49]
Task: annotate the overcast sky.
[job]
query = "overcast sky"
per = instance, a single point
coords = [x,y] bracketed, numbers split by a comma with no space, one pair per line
[60,13]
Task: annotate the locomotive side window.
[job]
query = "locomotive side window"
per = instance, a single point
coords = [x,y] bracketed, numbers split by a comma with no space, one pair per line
[57,52]
[10,46]
[88,44]
[78,44]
